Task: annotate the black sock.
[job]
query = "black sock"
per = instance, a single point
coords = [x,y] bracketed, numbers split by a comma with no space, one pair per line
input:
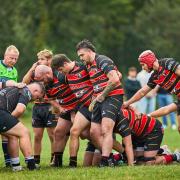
[73,161]
[174,157]
[105,158]
[7,157]
[37,159]
[52,157]
[30,163]
[58,159]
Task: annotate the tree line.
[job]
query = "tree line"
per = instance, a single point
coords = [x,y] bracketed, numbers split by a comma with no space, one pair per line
[120,29]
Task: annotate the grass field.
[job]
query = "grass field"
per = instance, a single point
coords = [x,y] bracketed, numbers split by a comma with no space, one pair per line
[171,138]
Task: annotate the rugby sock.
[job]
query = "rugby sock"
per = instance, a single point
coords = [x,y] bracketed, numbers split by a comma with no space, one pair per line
[7,157]
[30,162]
[73,161]
[52,157]
[58,159]
[169,158]
[117,156]
[15,162]
[37,159]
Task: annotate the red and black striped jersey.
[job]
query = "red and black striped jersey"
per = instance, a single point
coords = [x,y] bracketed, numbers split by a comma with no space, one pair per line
[79,82]
[139,127]
[60,90]
[165,76]
[98,71]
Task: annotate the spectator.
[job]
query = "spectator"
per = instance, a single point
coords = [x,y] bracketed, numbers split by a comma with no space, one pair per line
[147,103]
[132,85]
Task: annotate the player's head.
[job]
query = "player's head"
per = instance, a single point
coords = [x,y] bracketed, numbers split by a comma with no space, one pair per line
[61,63]
[147,59]
[132,72]
[43,73]
[85,49]
[37,90]
[45,57]
[11,56]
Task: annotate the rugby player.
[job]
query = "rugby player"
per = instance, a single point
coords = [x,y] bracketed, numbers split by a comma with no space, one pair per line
[166,74]
[42,116]
[147,134]
[13,103]
[108,96]
[79,82]
[56,87]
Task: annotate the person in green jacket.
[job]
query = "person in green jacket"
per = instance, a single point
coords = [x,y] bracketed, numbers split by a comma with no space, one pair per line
[9,72]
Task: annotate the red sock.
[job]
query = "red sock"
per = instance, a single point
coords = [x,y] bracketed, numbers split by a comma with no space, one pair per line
[168,158]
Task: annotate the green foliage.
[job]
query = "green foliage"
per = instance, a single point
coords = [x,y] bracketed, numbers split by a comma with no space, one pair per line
[158,25]
[121,29]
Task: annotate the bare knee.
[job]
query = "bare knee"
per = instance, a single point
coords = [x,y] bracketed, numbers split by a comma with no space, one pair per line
[38,137]
[74,132]
[59,133]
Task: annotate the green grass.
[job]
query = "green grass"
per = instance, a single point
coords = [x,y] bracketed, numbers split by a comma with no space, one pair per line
[171,138]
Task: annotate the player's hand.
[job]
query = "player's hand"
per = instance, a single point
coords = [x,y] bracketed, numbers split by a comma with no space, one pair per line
[91,106]
[62,110]
[100,98]
[125,104]
[34,66]
[20,85]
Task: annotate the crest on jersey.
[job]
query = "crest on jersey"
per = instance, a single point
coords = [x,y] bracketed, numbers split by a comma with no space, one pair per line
[170,65]
[79,75]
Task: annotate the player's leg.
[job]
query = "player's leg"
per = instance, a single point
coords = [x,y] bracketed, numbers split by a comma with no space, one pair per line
[15,128]
[109,112]
[13,147]
[38,124]
[152,144]
[51,122]
[79,125]
[7,157]
[50,131]
[96,158]
[89,154]
[38,134]
[61,135]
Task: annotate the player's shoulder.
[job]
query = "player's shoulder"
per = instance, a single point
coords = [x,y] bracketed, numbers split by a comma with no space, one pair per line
[26,92]
[100,58]
[103,61]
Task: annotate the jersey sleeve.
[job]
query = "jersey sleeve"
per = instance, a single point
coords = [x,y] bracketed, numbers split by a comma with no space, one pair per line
[23,100]
[151,82]
[61,77]
[105,64]
[25,96]
[169,64]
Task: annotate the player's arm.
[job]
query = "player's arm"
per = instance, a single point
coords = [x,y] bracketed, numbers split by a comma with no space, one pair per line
[28,75]
[164,110]
[178,70]
[139,94]
[129,149]
[111,84]
[11,83]
[19,110]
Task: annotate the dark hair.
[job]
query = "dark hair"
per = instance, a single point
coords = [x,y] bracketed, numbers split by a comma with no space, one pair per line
[85,43]
[132,69]
[58,60]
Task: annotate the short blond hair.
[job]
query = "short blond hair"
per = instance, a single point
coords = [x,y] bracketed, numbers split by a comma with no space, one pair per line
[47,53]
[12,48]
